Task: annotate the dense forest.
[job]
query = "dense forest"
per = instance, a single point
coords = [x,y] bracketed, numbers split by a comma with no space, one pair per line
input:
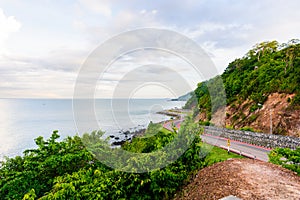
[266,69]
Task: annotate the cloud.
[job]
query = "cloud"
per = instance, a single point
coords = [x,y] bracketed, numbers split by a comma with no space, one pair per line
[35,83]
[102,7]
[49,76]
[49,50]
[209,24]
[147,75]
[8,26]
[215,31]
[59,60]
[122,20]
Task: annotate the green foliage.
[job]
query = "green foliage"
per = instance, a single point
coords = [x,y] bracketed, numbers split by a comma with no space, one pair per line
[211,96]
[287,158]
[216,154]
[205,123]
[67,170]
[38,167]
[247,128]
[252,118]
[265,69]
[254,108]
[30,195]
[155,138]
[229,127]
[191,102]
[202,94]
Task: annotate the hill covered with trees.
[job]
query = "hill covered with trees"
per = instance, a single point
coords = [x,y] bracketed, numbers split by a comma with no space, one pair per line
[262,90]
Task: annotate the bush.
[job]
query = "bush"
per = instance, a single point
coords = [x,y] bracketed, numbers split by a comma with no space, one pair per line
[247,128]
[254,108]
[252,118]
[230,127]
[204,123]
[67,170]
[287,158]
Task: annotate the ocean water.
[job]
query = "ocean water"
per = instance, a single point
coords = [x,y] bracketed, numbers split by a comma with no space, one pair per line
[22,120]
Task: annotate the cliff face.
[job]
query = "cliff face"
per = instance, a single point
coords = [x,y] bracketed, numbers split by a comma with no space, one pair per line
[275,115]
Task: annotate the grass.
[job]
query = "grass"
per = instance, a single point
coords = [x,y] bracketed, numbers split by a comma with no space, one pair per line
[216,154]
[166,131]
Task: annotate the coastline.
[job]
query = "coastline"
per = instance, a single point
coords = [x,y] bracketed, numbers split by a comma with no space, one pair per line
[174,114]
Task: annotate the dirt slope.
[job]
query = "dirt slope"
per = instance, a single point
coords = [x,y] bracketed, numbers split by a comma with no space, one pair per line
[276,110]
[243,178]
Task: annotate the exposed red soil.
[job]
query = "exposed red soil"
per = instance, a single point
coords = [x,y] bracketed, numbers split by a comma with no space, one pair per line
[276,111]
[244,178]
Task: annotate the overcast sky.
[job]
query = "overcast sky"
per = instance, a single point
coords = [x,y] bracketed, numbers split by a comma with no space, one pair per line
[44,43]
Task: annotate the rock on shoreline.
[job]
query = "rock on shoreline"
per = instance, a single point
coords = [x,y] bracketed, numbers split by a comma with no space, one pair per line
[128,136]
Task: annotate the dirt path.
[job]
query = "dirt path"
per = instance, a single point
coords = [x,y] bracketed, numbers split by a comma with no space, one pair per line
[243,178]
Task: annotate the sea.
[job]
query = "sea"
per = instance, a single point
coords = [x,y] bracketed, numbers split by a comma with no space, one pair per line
[23,120]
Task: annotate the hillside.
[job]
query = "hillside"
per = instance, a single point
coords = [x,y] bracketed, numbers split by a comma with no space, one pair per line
[184,97]
[262,91]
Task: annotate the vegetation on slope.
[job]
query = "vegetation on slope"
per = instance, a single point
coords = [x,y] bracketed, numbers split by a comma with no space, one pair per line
[266,69]
[287,158]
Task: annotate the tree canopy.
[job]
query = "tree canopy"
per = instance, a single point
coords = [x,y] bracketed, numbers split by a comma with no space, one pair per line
[67,170]
[267,68]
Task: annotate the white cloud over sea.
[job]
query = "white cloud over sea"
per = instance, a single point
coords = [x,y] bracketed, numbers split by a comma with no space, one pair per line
[44,43]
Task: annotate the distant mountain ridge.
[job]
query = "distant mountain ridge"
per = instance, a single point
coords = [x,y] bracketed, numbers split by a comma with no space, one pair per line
[262,91]
[184,97]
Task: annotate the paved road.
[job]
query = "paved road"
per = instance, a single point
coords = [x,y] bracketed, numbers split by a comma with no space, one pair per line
[169,124]
[245,149]
[248,150]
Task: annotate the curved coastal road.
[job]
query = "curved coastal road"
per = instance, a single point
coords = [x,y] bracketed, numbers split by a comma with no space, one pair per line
[169,124]
[245,149]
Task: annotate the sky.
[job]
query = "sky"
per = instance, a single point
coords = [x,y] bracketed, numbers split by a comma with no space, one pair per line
[44,44]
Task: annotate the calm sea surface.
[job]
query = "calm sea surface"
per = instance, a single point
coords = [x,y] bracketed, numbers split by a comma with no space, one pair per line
[22,120]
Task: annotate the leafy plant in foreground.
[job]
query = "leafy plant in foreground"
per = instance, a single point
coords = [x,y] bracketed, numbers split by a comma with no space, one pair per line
[67,170]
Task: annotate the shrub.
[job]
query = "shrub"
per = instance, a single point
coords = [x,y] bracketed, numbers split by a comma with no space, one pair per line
[247,128]
[287,158]
[67,170]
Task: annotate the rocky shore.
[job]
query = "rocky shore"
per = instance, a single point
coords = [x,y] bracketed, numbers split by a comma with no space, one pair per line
[128,135]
